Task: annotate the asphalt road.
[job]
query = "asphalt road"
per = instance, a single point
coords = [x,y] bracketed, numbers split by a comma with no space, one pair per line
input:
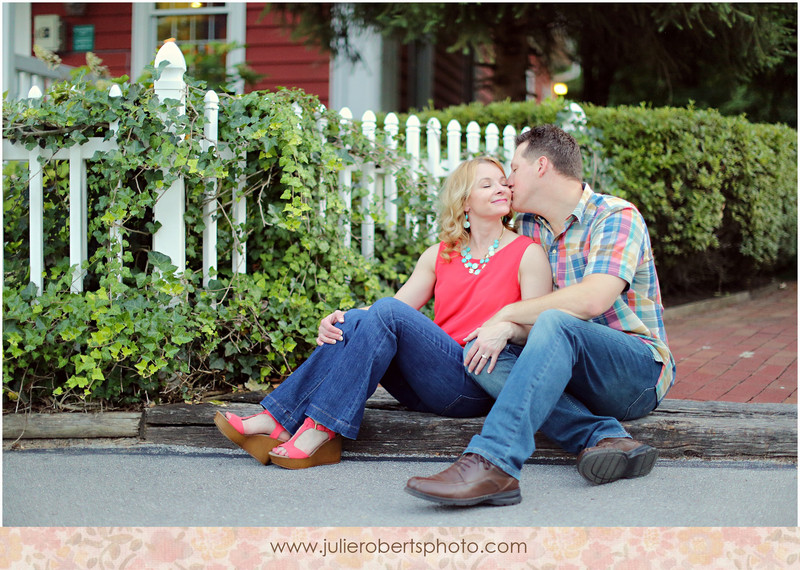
[150,485]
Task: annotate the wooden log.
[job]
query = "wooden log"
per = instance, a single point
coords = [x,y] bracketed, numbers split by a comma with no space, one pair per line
[59,426]
[193,414]
[414,434]
[191,425]
[189,435]
[679,429]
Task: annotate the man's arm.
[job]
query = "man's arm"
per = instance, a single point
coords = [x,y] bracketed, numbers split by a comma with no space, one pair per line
[586,300]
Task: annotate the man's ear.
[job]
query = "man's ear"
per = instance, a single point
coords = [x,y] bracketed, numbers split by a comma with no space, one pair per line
[542,165]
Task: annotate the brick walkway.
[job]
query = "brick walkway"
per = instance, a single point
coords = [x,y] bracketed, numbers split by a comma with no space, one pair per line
[745,352]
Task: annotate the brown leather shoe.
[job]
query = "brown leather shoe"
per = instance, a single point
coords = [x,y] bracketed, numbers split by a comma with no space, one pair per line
[616,458]
[472,480]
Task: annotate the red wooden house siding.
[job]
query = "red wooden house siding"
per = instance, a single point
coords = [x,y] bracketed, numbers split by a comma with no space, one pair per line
[284,62]
[269,51]
[112,33]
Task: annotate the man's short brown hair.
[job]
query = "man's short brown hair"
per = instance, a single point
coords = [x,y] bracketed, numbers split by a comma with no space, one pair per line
[559,147]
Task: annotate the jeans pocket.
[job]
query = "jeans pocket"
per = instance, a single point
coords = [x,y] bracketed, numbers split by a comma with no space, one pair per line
[467,407]
[643,405]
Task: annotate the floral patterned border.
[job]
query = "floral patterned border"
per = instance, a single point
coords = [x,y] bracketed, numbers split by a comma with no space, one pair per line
[287,548]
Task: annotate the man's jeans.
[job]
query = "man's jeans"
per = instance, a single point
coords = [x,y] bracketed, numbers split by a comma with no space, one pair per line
[391,343]
[574,380]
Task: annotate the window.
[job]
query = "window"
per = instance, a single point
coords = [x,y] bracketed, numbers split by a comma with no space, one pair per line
[194,26]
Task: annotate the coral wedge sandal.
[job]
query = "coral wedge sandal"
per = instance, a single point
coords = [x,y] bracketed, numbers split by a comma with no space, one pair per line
[328,453]
[257,445]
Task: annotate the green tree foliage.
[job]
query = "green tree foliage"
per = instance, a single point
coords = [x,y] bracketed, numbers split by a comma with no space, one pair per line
[733,57]
[716,54]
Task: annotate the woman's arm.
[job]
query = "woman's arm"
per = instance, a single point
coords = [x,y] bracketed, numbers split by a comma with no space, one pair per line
[418,290]
[415,292]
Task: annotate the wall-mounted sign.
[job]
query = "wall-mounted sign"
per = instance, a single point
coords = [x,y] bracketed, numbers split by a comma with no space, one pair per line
[83,38]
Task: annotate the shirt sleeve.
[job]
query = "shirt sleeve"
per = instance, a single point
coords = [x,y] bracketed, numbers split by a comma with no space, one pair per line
[616,244]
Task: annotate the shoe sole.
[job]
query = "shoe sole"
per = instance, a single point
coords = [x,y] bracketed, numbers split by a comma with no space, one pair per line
[608,465]
[503,499]
[258,446]
[329,453]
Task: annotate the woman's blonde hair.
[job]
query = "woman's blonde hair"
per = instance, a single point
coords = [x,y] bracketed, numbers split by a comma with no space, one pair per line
[454,194]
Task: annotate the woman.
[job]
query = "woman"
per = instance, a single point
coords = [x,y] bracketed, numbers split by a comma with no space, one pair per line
[419,361]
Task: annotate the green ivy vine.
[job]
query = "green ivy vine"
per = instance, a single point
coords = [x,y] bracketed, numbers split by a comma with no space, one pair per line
[140,333]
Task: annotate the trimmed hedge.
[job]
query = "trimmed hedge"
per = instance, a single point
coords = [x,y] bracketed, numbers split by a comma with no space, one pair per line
[719,193]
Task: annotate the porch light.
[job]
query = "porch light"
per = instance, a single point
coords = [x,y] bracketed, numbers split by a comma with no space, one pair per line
[560,89]
[197,4]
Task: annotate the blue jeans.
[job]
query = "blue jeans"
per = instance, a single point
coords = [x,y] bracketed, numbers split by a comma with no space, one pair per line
[574,380]
[391,344]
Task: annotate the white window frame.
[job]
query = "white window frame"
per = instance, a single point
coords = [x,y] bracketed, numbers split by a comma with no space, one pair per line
[144,42]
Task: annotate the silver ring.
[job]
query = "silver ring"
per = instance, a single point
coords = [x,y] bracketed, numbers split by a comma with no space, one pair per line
[484,356]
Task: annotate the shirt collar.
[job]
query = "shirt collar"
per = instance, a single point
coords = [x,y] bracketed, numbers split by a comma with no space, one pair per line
[577,214]
[580,210]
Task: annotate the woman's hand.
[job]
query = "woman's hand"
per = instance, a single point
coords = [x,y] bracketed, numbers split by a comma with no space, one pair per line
[491,340]
[328,333]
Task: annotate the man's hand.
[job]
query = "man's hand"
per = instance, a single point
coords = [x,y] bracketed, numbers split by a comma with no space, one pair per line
[491,340]
[328,333]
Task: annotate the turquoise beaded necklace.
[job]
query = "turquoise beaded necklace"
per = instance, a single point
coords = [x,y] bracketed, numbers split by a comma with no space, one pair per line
[474,267]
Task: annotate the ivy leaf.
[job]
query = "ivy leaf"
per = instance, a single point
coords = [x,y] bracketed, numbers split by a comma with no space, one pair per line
[160,260]
[217,363]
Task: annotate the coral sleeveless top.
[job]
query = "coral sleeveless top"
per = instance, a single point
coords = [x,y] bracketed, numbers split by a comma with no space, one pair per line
[463,301]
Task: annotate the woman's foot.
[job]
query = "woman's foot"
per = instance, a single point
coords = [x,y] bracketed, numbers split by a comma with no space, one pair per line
[258,445]
[307,441]
[312,445]
[259,424]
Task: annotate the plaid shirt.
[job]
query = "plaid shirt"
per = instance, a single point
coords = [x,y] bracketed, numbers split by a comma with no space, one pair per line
[605,234]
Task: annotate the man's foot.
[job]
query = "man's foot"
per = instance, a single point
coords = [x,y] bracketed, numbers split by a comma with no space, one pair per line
[472,480]
[616,458]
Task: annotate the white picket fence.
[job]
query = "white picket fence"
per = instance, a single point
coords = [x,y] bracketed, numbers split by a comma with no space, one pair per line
[170,239]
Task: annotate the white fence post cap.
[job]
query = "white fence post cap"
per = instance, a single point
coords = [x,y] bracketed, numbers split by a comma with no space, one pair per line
[211,97]
[172,53]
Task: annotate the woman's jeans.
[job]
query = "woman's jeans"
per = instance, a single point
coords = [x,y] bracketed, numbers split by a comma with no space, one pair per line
[574,380]
[391,343]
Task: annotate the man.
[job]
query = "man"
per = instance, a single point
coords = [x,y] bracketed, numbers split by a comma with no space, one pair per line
[596,352]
